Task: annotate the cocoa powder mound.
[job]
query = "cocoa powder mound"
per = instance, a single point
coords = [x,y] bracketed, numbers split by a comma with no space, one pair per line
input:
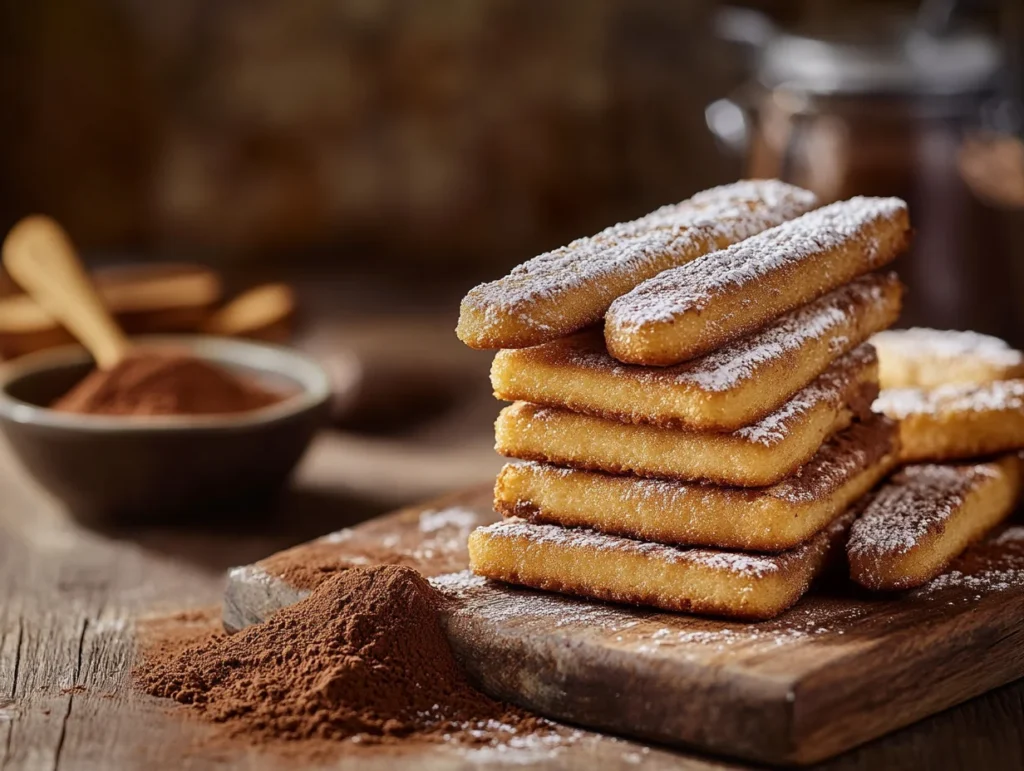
[363,657]
[165,383]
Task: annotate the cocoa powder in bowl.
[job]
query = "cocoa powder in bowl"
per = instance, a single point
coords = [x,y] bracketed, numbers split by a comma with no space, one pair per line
[165,383]
[363,657]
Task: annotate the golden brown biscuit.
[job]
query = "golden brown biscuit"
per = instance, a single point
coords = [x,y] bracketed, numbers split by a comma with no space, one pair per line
[764,519]
[929,358]
[753,456]
[563,291]
[608,567]
[958,420]
[693,309]
[925,516]
[729,388]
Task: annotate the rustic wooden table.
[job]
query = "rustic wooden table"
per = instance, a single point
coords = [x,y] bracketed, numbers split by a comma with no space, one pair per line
[71,598]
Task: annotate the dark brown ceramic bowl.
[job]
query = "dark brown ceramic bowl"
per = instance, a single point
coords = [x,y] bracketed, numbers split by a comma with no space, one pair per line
[114,469]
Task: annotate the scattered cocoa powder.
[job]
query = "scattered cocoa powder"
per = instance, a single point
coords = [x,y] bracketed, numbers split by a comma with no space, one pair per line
[305,566]
[167,636]
[364,657]
[165,383]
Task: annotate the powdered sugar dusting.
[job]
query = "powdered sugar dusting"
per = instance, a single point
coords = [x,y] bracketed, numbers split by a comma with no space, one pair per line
[561,610]
[733,212]
[692,286]
[1011,535]
[639,630]
[807,622]
[463,581]
[838,319]
[831,387]
[1000,395]
[744,564]
[987,581]
[917,502]
[836,386]
[996,565]
[456,518]
[506,746]
[947,344]
[721,215]
[742,361]
[339,536]
[838,461]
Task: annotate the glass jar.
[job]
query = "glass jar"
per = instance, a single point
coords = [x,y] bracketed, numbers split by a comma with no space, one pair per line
[878,106]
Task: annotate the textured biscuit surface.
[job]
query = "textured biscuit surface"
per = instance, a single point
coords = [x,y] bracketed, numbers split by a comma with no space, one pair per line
[607,567]
[732,387]
[771,518]
[957,421]
[756,455]
[693,309]
[929,358]
[565,290]
[925,516]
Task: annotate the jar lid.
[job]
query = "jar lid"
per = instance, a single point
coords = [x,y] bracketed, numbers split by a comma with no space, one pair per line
[880,55]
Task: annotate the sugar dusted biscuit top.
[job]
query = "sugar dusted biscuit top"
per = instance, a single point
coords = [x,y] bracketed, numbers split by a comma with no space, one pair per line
[690,310]
[569,288]
[954,398]
[958,420]
[925,516]
[608,567]
[916,503]
[928,358]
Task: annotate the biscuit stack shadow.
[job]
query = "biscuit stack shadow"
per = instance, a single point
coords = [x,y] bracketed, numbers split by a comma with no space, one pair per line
[702,451]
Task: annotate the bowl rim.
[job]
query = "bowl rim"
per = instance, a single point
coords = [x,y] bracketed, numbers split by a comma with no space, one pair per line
[310,377]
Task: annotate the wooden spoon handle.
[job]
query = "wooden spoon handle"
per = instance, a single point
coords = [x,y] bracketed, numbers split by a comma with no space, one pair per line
[39,256]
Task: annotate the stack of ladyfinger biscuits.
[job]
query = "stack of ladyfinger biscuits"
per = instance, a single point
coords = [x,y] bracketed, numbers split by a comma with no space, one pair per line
[959,400]
[691,399]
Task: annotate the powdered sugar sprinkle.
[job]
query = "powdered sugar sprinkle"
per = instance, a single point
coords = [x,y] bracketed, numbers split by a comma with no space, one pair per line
[692,286]
[831,387]
[1000,395]
[745,564]
[724,214]
[918,501]
[742,361]
[948,344]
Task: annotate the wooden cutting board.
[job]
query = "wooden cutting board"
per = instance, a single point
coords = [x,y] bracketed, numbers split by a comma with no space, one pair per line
[837,670]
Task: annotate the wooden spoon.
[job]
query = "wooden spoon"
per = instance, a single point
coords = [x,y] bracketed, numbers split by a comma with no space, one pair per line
[38,255]
[262,313]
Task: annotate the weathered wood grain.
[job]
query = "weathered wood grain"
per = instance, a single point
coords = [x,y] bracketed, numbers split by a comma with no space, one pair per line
[836,671]
[69,599]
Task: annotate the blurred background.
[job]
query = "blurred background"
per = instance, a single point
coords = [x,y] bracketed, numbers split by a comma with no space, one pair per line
[373,159]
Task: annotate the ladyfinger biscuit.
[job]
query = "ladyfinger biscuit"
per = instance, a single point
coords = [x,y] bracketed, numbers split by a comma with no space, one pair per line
[763,519]
[563,291]
[753,456]
[957,420]
[720,297]
[607,567]
[729,388]
[925,516]
[929,358]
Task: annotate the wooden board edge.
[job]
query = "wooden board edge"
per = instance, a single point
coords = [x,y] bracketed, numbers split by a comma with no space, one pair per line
[948,670]
[251,596]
